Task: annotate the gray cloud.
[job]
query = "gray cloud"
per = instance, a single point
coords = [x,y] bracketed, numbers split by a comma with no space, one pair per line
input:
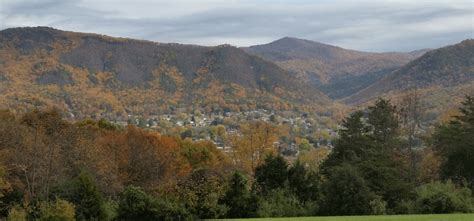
[396,25]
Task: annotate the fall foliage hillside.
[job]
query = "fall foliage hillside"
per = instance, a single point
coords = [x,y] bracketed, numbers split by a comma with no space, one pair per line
[446,69]
[92,75]
[336,71]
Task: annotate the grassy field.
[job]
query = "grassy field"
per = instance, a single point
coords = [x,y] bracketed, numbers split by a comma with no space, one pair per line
[442,217]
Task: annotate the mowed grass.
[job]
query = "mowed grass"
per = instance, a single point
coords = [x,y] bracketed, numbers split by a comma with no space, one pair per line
[434,217]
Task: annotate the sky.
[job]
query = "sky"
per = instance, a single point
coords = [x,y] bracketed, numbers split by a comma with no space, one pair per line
[367,25]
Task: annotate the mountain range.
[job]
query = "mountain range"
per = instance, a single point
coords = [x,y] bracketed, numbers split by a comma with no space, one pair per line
[446,67]
[336,71]
[93,75]
[101,76]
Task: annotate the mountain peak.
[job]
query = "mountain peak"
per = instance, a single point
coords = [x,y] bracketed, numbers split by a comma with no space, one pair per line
[289,48]
[293,42]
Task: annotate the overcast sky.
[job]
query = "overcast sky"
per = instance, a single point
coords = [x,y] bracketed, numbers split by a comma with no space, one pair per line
[368,25]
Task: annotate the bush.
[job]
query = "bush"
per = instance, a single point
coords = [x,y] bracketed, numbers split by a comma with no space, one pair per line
[134,204]
[378,206]
[438,197]
[17,213]
[405,207]
[59,210]
[281,203]
[110,209]
[9,200]
[82,191]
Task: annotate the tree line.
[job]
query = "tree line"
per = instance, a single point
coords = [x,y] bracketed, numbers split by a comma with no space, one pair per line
[52,169]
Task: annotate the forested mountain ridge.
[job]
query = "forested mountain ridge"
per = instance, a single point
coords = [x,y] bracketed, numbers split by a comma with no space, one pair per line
[338,72]
[91,74]
[448,68]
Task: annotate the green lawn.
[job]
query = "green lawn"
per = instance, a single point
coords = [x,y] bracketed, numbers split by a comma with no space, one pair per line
[442,217]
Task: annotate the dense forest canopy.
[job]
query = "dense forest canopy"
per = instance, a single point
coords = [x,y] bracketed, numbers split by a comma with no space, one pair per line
[95,170]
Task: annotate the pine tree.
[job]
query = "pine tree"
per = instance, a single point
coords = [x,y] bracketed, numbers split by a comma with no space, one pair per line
[238,198]
[368,144]
[304,184]
[455,143]
[346,192]
[272,174]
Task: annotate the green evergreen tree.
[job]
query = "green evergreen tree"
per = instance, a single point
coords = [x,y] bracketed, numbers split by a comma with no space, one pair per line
[272,174]
[238,198]
[369,144]
[346,192]
[134,204]
[302,183]
[88,199]
[383,122]
[455,143]
[352,144]
[84,194]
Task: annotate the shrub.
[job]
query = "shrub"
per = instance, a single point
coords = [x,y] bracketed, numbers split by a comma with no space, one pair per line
[84,194]
[59,210]
[110,209]
[405,207]
[281,203]
[17,213]
[438,197]
[134,204]
[378,206]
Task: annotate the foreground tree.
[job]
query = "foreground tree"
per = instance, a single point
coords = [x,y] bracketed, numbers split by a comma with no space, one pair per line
[303,183]
[272,174]
[369,142]
[238,198]
[455,143]
[346,192]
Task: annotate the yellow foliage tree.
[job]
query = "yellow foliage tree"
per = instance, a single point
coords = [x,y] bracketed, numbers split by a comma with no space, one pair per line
[255,141]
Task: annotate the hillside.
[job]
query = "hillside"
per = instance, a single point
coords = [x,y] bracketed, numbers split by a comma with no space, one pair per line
[99,76]
[336,71]
[446,68]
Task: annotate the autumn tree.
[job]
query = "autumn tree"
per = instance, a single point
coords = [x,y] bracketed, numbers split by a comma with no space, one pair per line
[35,159]
[257,139]
[313,159]
[411,112]
[200,192]
[145,158]
[203,154]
